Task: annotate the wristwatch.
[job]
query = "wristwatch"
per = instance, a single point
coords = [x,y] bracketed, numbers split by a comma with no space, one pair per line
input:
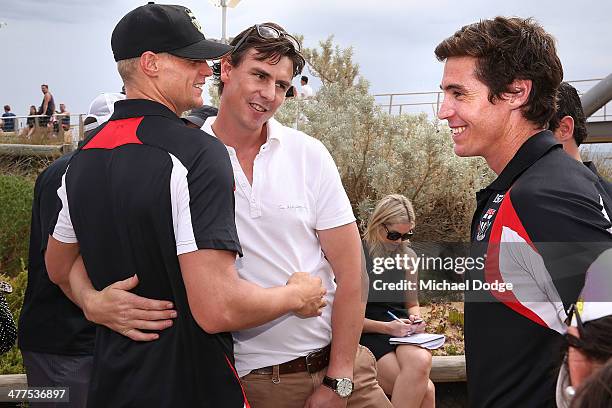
[341,386]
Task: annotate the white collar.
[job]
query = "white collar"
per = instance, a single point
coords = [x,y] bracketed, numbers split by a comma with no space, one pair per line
[275,129]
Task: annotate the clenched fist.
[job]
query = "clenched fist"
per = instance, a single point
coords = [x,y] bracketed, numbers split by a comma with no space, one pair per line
[310,292]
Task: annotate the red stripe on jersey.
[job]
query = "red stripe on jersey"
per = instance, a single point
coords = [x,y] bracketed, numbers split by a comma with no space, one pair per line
[246,402]
[506,216]
[116,133]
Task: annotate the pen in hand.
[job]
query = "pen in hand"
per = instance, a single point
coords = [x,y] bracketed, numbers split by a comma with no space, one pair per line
[416,321]
[395,317]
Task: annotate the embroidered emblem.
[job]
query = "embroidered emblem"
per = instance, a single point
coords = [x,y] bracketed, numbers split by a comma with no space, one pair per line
[194,20]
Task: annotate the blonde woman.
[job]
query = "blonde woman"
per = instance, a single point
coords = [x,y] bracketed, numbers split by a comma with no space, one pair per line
[403,371]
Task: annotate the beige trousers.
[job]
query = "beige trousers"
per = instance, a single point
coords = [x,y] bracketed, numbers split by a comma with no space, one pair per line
[292,390]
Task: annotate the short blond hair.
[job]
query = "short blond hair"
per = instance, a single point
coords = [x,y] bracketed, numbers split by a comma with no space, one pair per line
[126,68]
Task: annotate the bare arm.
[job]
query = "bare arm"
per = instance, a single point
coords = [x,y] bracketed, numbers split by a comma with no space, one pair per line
[45,104]
[59,258]
[221,301]
[412,303]
[342,247]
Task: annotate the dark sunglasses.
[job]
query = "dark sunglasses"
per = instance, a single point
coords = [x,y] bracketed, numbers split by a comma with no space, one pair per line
[269,33]
[394,235]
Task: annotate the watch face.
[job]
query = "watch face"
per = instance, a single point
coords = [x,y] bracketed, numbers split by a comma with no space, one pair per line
[344,387]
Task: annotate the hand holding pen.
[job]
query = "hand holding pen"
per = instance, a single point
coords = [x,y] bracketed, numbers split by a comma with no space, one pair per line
[404,327]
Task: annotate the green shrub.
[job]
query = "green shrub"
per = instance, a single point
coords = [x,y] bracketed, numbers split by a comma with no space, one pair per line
[455,317]
[11,362]
[16,194]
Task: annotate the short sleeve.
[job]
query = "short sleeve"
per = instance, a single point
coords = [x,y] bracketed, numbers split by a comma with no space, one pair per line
[203,207]
[333,208]
[62,229]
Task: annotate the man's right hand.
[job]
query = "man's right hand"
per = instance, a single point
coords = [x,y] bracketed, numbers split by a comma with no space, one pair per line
[127,313]
[310,292]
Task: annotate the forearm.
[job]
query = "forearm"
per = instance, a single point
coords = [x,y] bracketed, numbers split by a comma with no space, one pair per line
[248,305]
[374,326]
[413,310]
[81,286]
[347,323]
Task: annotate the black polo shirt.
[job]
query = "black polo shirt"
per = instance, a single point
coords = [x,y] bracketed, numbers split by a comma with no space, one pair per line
[541,226]
[49,322]
[605,184]
[144,189]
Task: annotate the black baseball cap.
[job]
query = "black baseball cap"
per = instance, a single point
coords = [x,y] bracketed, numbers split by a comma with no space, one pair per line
[198,116]
[163,28]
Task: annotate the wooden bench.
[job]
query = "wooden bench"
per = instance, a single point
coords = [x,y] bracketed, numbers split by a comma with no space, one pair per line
[443,369]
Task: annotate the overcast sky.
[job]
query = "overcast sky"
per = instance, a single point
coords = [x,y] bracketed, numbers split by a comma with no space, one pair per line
[66,43]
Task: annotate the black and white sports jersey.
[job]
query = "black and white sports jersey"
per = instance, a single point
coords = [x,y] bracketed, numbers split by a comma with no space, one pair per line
[542,226]
[144,189]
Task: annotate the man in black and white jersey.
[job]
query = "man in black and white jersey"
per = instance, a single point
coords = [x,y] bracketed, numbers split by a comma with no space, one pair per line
[541,225]
[148,195]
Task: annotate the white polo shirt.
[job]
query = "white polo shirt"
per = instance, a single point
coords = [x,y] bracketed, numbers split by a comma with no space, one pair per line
[296,191]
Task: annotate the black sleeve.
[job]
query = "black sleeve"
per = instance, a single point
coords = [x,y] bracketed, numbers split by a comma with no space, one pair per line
[210,187]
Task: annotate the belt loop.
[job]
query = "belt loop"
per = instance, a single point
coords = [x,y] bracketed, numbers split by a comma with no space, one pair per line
[275,374]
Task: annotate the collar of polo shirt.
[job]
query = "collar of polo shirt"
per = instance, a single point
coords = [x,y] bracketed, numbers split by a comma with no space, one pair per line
[274,129]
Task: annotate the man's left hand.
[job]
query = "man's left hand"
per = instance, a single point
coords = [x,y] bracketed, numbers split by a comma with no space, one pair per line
[325,397]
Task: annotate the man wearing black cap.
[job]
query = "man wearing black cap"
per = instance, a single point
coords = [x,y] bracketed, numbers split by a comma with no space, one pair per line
[148,195]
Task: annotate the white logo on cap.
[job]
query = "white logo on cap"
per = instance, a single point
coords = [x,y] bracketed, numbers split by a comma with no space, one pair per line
[194,20]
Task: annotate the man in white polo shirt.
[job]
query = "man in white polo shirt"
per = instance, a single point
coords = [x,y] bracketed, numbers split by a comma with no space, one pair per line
[292,214]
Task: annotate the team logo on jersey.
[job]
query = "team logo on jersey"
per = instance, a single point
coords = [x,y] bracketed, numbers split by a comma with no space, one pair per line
[489,214]
[483,227]
[498,198]
[194,20]
[484,224]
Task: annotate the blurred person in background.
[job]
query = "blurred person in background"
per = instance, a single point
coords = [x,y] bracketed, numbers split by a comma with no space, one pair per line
[55,338]
[30,121]
[47,106]
[306,92]
[8,119]
[402,370]
[569,127]
[198,116]
[63,117]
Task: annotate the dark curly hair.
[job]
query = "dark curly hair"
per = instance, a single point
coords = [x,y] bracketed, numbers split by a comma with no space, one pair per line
[271,49]
[508,49]
[568,104]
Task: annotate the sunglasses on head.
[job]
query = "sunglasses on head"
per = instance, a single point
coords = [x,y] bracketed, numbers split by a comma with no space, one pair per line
[394,235]
[269,33]
[572,340]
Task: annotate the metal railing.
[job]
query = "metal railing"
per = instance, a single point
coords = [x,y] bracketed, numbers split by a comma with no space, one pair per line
[429,102]
[42,129]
